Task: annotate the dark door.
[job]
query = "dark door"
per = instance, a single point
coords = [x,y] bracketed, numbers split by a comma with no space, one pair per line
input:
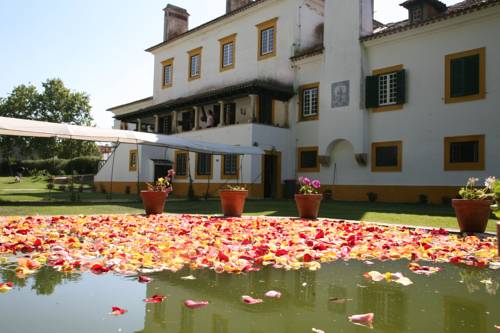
[270,176]
[230,114]
[266,110]
[161,170]
[216,115]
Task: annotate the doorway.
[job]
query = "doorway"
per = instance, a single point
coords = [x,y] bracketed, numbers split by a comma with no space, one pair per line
[271,175]
[161,169]
[265,109]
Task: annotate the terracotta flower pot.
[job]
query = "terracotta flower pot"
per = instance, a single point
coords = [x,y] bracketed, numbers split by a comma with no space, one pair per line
[308,205]
[154,202]
[233,202]
[472,215]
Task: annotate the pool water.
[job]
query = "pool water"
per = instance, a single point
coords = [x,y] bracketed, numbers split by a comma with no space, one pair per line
[456,299]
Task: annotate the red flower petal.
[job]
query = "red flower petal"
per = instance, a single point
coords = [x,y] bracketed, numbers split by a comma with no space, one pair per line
[144,279]
[116,311]
[195,304]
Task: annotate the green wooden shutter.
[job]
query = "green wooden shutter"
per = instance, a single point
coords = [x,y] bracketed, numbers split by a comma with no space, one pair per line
[371,92]
[457,77]
[401,86]
[471,75]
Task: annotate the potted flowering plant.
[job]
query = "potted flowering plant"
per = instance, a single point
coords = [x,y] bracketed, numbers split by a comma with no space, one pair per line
[308,199]
[154,197]
[232,198]
[474,208]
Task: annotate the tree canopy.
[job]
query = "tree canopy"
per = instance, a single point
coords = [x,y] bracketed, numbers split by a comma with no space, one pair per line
[55,103]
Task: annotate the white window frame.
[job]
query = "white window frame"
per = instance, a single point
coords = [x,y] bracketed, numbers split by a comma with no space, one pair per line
[310,102]
[388,89]
[267,41]
[167,78]
[227,56]
[195,65]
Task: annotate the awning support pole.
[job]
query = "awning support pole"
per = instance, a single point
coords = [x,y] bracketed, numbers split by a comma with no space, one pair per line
[138,169]
[110,196]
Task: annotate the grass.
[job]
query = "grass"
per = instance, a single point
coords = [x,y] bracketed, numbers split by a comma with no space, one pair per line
[437,216]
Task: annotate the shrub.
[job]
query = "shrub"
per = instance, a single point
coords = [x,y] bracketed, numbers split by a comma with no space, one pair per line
[127,190]
[50,186]
[328,194]
[446,201]
[62,188]
[82,165]
[423,199]
[372,196]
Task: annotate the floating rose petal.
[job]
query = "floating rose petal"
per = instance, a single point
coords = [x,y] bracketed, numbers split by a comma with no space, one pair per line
[5,287]
[423,270]
[389,277]
[116,311]
[250,300]
[195,304]
[144,279]
[189,277]
[315,330]
[273,294]
[155,299]
[99,269]
[362,319]
[336,300]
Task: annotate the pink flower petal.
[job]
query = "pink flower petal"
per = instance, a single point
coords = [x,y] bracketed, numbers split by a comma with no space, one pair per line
[195,304]
[273,294]
[250,300]
[362,319]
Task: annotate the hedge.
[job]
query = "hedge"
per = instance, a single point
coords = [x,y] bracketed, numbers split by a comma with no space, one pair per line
[85,165]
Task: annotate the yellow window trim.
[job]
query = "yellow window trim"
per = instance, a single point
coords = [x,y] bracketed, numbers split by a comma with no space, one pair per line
[131,154]
[223,175]
[464,166]
[301,104]
[307,149]
[482,76]
[191,54]
[198,176]
[382,71]
[272,23]
[177,153]
[396,168]
[165,63]
[231,39]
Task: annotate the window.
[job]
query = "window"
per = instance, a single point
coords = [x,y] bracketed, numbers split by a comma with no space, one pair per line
[387,156]
[227,52]
[203,166]
[308,160]
[465,76]
[187,121]
[386,89]
[230,166]
[168,73]
[132,160]
[166,125]
[194,64]
[417,14]
[181,164]
[464,153]
[309,102]
[230,113]
[267,39]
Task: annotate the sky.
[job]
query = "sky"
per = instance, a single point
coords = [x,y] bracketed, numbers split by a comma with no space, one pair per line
[97,46]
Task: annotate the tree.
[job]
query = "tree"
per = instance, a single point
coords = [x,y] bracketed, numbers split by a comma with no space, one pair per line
[55,103]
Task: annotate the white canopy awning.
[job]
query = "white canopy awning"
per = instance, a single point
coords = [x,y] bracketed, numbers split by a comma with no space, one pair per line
[32,128]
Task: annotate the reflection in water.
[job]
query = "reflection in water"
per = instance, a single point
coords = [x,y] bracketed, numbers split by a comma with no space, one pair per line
[463,316]
[453,300]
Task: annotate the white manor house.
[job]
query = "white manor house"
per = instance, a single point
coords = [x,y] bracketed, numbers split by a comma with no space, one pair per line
[402,111]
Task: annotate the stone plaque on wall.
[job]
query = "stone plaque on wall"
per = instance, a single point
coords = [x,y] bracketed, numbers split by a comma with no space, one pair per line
[340,94]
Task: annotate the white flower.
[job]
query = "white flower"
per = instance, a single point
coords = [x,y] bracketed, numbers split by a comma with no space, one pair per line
[472,181]
[490,182]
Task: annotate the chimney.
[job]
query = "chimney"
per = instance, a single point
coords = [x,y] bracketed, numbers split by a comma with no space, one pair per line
[176,22]
[232,5]
[421,10]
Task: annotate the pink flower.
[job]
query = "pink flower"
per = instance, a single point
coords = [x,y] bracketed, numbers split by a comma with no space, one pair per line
[316,184]
[301,180]
[306,181]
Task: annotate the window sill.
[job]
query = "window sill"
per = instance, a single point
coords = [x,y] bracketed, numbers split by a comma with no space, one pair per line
[386,169]
[192,78]
[229,177]
[310,118]
[452,100]
[203,177]
[309,170]
[166,86]
[464,167]
[266,56]
[225,69]
[387,108]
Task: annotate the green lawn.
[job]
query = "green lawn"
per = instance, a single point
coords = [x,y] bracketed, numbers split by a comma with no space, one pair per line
[31,197]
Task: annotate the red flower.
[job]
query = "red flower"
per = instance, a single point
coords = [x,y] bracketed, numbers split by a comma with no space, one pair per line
[155,299]
[116,311]
[144,279]
[99,269]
